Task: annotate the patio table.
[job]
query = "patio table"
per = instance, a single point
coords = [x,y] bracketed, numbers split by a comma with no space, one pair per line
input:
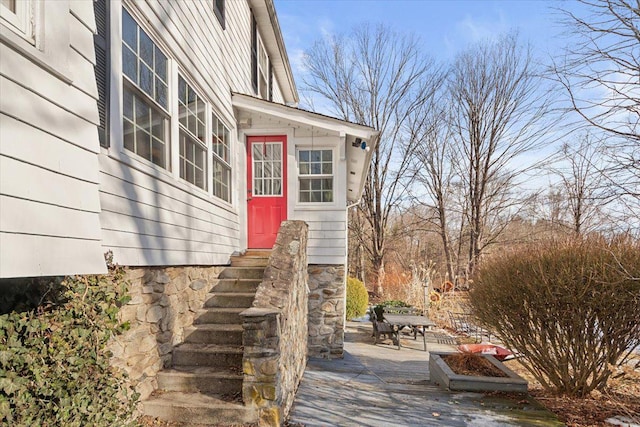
[414,322]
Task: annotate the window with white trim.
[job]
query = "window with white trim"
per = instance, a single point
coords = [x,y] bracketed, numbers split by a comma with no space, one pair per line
[158,104]
[145,95]
[17,15]
[221,154]
[263,70]
[261,73]
[315,176]
[193,146]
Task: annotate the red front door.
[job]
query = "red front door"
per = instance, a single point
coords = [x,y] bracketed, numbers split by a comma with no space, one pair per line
[267,189]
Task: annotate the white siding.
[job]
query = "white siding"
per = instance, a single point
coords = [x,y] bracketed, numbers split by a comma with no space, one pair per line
[327,235]
[49,215]
[151,221]
[149,215]
[327,221]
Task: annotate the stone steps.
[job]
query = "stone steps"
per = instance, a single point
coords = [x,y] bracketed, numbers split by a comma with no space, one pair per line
[207,367]
[242,273]
[250,259]
[207,355]
[206,380]
[230,299]
[219,315]
[237,285]
[213,333]
[198,408]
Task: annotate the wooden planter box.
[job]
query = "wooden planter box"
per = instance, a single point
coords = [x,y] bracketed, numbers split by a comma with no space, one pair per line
[440,373]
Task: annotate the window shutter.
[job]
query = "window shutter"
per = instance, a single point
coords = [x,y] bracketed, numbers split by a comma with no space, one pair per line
[254,53]
[101,46]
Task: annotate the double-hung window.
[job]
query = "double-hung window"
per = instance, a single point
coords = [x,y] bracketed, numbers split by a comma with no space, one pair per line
[193,146]
[261,73]
[263,70]
[315,172]
[154,109]
[144,95]
[221,159]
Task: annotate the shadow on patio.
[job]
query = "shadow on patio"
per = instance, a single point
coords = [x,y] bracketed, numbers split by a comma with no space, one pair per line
[381,386]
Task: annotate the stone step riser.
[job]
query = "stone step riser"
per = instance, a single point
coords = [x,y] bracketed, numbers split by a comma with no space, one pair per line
[242,273]
[236,285]
[229,301]
[186,382]
[262,253]
[212,316]
[204,336]
[183,357]
[169,411]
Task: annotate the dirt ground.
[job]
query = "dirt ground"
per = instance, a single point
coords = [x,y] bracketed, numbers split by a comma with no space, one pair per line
[621,400]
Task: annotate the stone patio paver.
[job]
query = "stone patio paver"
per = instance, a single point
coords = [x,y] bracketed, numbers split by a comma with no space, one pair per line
[382,386]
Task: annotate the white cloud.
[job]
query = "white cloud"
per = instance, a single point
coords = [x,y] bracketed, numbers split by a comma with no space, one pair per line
[474,29]
[326,27]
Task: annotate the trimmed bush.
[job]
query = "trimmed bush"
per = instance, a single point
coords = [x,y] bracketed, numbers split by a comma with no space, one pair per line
[394,303]
[357,298]
[54,366]
[571,308]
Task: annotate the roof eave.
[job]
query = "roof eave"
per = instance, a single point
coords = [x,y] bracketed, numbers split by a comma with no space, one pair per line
[254,104]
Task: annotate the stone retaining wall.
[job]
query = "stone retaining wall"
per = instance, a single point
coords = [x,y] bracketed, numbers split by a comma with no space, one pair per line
[327,295]
[275,328]
[164,301]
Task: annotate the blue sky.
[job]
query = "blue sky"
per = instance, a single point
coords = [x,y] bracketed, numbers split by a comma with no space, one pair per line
[445,27]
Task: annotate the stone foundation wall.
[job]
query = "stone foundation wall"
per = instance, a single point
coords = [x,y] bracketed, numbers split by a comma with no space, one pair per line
[275,328]
[163,302]
[327,285]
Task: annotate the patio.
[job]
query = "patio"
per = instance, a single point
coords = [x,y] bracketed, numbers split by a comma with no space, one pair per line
[377,385]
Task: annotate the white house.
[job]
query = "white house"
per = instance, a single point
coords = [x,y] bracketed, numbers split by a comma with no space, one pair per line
[167,133]
[164,131]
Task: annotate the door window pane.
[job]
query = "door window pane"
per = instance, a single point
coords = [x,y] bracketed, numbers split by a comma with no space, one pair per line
[267,167]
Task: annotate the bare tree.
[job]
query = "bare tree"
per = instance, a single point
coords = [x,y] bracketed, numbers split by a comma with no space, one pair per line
[499,111]
[375,77]
[602,68]
[434,176]
[600,75]
[582,183]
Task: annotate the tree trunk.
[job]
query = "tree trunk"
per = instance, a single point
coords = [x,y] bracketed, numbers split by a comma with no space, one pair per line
[378,269]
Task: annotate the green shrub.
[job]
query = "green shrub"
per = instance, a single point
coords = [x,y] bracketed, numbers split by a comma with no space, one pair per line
[571,308]
[54,368]
[357,298]
[394,303]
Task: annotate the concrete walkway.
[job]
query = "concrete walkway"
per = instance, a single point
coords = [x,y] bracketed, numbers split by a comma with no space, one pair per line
[382,386]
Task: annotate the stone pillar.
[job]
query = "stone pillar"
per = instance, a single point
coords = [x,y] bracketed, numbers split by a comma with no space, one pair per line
[327,285]
[262,386]
[275,328]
